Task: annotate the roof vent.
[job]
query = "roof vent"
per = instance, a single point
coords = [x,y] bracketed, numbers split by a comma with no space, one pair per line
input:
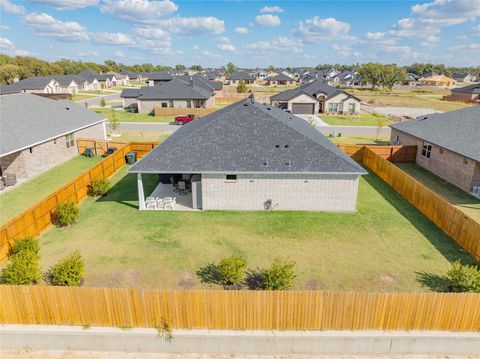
[268,108]
[277,146]
[67,108]
[265,163]
[423,118]
[286,146]
[287,163]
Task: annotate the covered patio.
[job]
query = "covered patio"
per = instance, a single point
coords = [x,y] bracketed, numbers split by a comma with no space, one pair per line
[179,192]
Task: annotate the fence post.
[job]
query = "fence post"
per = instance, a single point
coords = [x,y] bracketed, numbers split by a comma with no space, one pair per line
[37,232]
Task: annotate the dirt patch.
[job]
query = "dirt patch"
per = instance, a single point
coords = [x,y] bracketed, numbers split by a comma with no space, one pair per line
[186,281]
[127,279]
[387,279]
[313,284]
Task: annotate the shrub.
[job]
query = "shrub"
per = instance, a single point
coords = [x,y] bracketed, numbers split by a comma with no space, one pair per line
[98,187]
[66,214]
[22,268]
[67,272]
[463,278]
[25,245]
[242,88]
[102,102]
[232,269]
[279,276]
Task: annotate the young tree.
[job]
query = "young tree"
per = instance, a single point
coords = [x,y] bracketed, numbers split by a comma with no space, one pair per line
[113,122]
[180,67]
[242,88]
[371,73]
[230,69]
[102,102]
[381,122]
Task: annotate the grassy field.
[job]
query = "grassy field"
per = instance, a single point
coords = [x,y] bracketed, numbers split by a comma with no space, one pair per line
[142,136]
[462,200]
[411,101]
[81,97]
[386,246]
[124,116]
[404,91]
[97,92]
[360,140]
[27,194]
[358,120]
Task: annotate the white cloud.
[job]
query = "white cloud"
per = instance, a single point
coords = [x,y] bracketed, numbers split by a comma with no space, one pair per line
[316,30]
[66,4]
[45,25]
[267,20]
[227,47]
[241,30]
[152,33]
[4,27]
[9,47]
[208,55]
[111,38]
[8,6]
[88,54]
[195,48]
[194,25]
[139,11]
[448,9]
[119,54]
[465,48]
[476,30]
[271,9]
[280,44]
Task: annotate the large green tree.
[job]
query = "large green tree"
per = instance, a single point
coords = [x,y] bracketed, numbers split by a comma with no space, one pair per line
[371,73]
[390,75]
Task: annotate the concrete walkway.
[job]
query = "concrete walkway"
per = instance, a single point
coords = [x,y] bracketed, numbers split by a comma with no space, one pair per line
[226,342]
[315,119]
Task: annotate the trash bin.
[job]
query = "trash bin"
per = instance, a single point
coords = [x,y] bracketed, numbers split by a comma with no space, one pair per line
[90,152]
[131,157]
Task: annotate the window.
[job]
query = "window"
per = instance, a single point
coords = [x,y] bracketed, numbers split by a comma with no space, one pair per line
[426,150]
[189,104]
[164,104]
[231,178]
[351,107]
[170,103]
[332,107]
[396,140]
[69,140]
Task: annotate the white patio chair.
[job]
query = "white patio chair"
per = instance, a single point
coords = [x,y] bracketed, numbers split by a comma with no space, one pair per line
[149,199]
[167,199]
[151,205]
[170,204]
[160,203]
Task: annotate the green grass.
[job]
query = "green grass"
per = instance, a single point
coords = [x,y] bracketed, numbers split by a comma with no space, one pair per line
[410,100]
[81,97]
[462,200]
[97,92]
[386,246]
[27,194]
[142,136]
[360,140]
[124,116]
[358,120]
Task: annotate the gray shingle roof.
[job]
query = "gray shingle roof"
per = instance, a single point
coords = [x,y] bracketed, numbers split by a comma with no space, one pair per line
[280,77]
[159,76]
[457,131]
[247,137]
[312,89]
[475,88]
[9,89]
[174,90]
[88,75]
[130,93]
[27,119]
[65,80]
[32,83]
[240,75]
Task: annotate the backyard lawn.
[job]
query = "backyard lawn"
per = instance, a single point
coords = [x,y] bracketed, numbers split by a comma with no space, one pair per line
[462,200]
[125,116]
[142,136]
[412,101]
[27,194]
[358,120]
[386,246]
[360,140]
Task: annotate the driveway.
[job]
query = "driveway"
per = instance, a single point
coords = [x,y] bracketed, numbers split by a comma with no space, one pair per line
[315,119]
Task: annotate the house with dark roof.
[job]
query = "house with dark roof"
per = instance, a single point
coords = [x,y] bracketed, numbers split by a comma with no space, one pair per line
[238,76]
[467,94]
[39,133]
[280,80]
[179,92]
[464,77]
[448,143]
[34,84]
[317,97]
[250,156]
[156,78]
[91,79]
[69,83]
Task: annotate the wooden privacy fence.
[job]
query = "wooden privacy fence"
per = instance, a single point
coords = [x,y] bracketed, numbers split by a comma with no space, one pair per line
[391,153]
[239,310]
[38,218]
[463,229]
[170,111]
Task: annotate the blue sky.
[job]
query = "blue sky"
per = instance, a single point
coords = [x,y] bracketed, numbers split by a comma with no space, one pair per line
[247,33]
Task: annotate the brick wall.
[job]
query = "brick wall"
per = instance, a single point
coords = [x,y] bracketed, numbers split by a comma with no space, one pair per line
[287,192]
[149,106]
[446,164]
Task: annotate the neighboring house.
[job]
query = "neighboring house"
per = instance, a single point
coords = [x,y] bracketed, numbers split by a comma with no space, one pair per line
[348,78]
[250,156]
[9,89]
[317,97]
[215,75]
[173,94]
[35,84]
[280,80]
[437,80]
[463,77]
[410,80]
[238,76]
[69,83]
[122,79]
[469,93]
[448,144]
[261,75]
[39,133]
[201,81]
[156,78]
[91,78]
[107,80]
[129,97]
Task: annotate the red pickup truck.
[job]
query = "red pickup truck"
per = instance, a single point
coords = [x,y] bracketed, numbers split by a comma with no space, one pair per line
[181,120]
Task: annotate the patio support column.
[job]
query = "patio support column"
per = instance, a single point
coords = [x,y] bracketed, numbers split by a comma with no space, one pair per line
[141,194]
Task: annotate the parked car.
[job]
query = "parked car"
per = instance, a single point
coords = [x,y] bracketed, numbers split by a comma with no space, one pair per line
[181,120]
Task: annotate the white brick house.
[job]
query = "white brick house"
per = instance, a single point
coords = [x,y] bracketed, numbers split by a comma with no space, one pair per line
[250,156]
[40,133]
